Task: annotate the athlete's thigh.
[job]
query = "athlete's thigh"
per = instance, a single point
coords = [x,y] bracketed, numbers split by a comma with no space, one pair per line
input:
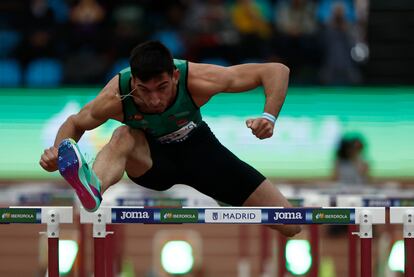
[139,159]
[267,195]
[217,172]
[164,171]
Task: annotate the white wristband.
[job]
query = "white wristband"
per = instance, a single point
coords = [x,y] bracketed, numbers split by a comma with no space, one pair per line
[269,117]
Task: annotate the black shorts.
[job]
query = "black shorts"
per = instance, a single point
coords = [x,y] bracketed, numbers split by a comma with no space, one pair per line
[203,163]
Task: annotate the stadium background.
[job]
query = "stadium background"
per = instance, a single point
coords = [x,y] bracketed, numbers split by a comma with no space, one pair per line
[347,74]
[350,67]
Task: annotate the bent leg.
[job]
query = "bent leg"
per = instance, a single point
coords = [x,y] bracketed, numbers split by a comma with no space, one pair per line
[125,144]
[267,195]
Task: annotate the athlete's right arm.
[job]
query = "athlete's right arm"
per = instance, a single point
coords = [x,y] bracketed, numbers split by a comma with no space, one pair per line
[107,105]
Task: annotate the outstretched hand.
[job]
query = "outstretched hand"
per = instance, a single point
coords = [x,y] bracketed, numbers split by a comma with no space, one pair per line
[49,159]
[261,127]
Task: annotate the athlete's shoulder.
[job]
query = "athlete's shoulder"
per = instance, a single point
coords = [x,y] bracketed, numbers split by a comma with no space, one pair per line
[179,62]
[108,102]
[126,70]
[112,87]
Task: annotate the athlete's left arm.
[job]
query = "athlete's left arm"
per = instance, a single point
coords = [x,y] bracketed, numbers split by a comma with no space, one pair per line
[205,81]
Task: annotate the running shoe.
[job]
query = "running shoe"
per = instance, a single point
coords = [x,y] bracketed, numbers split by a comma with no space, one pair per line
[76,171]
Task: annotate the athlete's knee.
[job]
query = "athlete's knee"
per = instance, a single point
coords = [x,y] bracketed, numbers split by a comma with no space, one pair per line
[122,138]
[122,132]
[138,167]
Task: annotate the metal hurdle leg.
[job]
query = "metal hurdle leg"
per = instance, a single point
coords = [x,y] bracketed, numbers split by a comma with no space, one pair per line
[409,257]
[365,234]
[82,251]
[110,253]
[405,216]
[109,246]
[99,254]
[99,219]
[282,240]
[366,257]
[408,222]
[53,257]
[314,239]
[99,235]
[352,250]
[52,216]
[53,243]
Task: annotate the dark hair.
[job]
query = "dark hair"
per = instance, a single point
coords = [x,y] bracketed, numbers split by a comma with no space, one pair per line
[343,150]
[347,145]
[150,59]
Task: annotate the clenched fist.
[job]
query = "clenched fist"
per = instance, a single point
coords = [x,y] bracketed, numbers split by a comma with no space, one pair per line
[49,159]
[261,127]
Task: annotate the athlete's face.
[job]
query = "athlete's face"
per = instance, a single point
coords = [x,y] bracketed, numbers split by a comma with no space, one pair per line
[156,94]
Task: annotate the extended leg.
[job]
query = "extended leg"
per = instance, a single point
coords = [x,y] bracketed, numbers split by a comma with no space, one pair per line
[267,195]
[126,144]
[108,168]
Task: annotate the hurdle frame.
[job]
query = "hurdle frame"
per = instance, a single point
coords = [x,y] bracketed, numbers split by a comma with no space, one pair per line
[365,217]
[52,217]
[405,216]
[398,215]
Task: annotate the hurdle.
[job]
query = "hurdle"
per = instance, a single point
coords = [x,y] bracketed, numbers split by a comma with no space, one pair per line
[51,216]
[130,196]
[393,203]
[405,216]
[364,217]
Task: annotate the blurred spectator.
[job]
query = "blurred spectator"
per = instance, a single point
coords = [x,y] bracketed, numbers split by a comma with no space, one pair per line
[254,30]
[297,38]
[326,8]
[360,52]
[350,166]
[87,14]
[87,18]
[40,32]
[86,61]
[170,32]
[361,10]
[338,68]
[296,18]
[350,170]
[209,31]
[128,27]
[96,35]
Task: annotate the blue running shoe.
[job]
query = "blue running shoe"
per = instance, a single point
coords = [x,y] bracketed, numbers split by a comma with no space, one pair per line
[76,171]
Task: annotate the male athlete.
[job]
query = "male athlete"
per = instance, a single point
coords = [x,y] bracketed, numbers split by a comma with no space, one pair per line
[164,140]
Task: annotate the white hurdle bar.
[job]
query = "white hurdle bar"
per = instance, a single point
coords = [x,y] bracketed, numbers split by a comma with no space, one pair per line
[52,217]
[405,216]
[365,217]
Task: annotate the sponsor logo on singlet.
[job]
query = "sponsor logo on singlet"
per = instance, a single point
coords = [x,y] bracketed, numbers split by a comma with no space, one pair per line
[179,135]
